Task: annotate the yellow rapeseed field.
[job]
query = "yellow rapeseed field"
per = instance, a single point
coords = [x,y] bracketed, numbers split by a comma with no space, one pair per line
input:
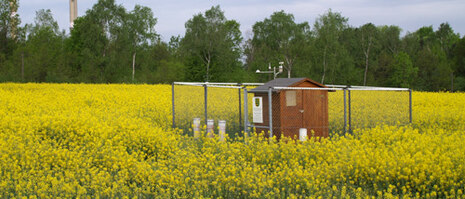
[107,141]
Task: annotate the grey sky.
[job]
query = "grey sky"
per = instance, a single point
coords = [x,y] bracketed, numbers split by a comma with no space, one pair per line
[407,14]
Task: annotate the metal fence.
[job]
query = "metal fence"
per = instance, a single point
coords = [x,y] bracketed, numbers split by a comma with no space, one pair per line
[334,110]
[338,109]
[209,101]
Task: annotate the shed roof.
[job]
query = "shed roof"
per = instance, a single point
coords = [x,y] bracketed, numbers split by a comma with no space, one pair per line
[284,82]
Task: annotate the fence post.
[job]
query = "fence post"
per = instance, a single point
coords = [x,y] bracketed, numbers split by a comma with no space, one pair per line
[240,113]
[172,104]
[270,111]
[410,105]
[246,112]
[345,111]
[205,102]
[350,113]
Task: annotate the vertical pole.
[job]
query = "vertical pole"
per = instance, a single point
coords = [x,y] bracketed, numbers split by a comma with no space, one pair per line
[246,111]
[270,111]
[274,72]
[205,102]
[345,111]
[350,114]
[172,104]
[240,113]
[410,105]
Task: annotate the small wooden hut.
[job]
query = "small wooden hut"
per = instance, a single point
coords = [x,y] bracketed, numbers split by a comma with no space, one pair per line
[293,109]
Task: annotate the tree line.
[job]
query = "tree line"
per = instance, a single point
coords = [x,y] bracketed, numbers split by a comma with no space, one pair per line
[110,44]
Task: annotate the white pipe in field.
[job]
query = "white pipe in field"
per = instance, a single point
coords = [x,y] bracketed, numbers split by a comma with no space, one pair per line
[303,134]
[222,129]
[196,127]
[210,126]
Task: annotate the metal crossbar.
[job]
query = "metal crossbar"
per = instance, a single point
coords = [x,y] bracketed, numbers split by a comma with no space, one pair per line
[371,88]
[213,86]
[358,88]
[217,83]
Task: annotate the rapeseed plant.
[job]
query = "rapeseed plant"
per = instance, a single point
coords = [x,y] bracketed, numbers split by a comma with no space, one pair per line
[90,141]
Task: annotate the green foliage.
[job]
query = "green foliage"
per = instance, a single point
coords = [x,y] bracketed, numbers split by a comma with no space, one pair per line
[9,21]
[110,44]
[105,42]
[434,71]
[277,39]
[404,73]
[331,55]
[168,72]
[459,57]
[211,46]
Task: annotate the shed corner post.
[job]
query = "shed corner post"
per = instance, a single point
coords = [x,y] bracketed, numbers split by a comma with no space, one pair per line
[172,105]
[270,110]
[410,105]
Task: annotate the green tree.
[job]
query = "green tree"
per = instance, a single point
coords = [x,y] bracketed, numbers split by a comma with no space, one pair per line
[458,54]
[426,37]
[389,45]
[390,38]
[9,21]
[446,38]
[434,71]
[275,39]
[333,58]
[44,50]
[40,57]
[86,45]
[368,40]
[141,27]
[101,44]
[211,46]
[403,71]
[430,52]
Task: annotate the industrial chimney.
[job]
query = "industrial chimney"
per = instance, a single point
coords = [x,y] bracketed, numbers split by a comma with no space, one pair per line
[72,12]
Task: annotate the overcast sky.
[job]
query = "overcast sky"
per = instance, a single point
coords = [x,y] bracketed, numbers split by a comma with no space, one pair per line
[172,14]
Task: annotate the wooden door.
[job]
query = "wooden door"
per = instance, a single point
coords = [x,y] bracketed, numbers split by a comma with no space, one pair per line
[315,116]
[291,113]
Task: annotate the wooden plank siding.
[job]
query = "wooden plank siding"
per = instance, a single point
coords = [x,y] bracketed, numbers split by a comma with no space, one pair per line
[308,110]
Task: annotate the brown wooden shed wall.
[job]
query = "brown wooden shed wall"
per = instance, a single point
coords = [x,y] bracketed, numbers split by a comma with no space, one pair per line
[287,120]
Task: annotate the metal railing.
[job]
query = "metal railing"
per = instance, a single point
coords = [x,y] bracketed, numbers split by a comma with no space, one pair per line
[345,103]
[207,95]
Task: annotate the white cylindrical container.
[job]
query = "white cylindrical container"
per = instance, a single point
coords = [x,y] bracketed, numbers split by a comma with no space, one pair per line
[303,134]
[210,126]
[222,129]
[196,127]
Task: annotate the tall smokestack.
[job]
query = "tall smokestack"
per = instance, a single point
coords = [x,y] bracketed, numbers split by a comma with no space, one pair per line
[72,12]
